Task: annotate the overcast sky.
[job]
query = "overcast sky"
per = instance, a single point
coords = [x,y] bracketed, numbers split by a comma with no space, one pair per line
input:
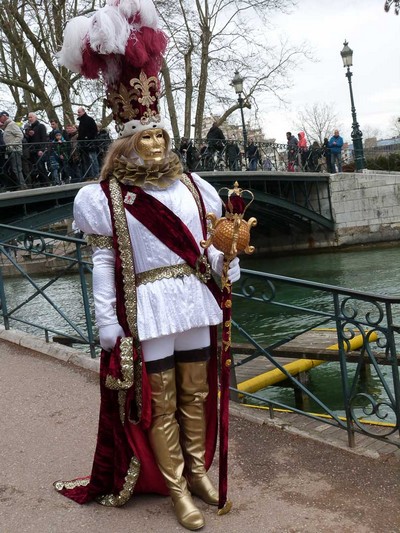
[372,34]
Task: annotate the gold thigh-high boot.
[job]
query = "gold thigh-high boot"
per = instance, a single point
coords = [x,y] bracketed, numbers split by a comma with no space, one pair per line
[192,390]
[164,440]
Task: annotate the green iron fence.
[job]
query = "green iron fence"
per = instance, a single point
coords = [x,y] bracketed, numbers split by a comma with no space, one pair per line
[42,270]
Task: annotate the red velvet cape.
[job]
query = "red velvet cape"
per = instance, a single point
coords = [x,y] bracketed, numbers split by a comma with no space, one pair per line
[117,443]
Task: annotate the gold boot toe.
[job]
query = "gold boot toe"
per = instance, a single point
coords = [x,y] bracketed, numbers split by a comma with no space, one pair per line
[204,489]
[188,515]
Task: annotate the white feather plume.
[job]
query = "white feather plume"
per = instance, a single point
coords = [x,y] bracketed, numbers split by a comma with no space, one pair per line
[109,31]
[128,8]
[148,14]
[70,55]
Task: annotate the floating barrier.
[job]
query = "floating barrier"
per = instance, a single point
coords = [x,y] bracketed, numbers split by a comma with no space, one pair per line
[300,365]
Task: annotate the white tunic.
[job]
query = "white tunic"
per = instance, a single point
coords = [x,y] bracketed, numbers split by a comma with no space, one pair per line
[165,306]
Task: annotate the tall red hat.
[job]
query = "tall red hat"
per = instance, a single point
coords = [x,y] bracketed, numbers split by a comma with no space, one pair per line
[122,44]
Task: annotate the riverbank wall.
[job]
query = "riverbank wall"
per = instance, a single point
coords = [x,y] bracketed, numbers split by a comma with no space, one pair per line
[366,210]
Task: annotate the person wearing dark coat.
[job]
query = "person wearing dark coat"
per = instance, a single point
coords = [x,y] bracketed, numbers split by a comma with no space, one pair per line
[87,132]
[37,139]
[253,155]
[215,138]
[232,154]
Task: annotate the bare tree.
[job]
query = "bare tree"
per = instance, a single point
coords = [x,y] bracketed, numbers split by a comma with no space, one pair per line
[211,39]
[31,33]
[317,121]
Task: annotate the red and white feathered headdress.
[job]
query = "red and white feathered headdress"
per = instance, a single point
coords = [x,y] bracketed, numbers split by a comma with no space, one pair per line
[122,44]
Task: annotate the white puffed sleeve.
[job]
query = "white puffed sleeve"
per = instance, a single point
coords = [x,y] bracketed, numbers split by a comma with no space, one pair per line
[92,216]
[91,211]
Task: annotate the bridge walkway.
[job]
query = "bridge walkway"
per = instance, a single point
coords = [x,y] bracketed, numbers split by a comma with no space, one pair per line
[280,481]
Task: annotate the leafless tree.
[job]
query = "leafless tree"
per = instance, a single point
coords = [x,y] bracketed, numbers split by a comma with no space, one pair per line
[318,121]
[31,33]
[211,39]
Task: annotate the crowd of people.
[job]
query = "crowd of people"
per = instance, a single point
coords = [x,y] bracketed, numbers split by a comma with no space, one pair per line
[31,156]
[314,158]
[219,153]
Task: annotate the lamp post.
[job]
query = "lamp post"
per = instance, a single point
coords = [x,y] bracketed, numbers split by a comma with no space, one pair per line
[356,134]
[237,84]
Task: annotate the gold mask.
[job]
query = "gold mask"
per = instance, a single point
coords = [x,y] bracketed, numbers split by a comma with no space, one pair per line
[151,145]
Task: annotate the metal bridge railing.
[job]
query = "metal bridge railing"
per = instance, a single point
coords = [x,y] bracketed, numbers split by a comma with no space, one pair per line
[45,286]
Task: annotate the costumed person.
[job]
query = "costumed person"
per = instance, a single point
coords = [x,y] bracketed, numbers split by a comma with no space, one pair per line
[156,303]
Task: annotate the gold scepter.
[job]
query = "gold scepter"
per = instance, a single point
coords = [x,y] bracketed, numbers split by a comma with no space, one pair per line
[231,235]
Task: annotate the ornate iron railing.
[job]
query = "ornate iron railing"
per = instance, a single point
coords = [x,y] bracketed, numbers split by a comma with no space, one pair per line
[45,286]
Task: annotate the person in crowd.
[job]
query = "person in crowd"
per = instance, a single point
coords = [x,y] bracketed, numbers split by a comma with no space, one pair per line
[103,142]
[303,150]
[56,126]
[12,137]
[215,138]
[87,134]
[74,154]
[335,145]
[188,154]
[37,139]
[58,159]
[292,150]
[233,155]
[267,164]
[326,152]
[253,156]
[156,303]
[314,155]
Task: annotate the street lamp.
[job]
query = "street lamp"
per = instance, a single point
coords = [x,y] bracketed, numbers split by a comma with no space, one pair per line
[356,134]
[237,84]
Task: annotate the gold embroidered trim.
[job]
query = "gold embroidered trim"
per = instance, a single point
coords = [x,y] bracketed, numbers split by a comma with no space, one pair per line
[100,241]
[186,181]
[129,287]
[126,367]
[125,248]
[167,272]
[69,485]
[131,477]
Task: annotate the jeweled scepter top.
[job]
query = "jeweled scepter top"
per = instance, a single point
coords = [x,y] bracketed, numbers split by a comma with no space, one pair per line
[231,234]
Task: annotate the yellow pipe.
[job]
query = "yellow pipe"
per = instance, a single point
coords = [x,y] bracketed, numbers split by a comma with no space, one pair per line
[355,343]
[300,365]
[276,375]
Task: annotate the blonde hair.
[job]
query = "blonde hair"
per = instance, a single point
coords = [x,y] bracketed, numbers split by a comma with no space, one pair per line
[125,147]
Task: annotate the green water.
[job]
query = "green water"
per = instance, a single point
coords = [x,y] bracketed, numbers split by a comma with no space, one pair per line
[373,270]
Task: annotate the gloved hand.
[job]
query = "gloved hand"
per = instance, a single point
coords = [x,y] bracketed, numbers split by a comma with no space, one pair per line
[109,335]
[216,259]
[234,270]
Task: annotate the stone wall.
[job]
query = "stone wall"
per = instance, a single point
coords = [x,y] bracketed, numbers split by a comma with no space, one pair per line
[366,207]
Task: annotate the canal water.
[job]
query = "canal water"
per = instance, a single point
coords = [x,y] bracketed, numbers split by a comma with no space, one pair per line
[374,270]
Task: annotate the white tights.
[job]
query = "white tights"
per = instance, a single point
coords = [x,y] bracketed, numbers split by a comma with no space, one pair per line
[162,347]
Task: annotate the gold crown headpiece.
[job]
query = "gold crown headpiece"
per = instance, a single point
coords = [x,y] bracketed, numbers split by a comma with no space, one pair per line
[122,44]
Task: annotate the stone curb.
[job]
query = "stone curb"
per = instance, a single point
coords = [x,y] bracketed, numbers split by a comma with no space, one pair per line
[52,349]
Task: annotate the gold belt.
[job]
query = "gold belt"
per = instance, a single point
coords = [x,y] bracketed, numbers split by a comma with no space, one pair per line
[167,272]
[202,271]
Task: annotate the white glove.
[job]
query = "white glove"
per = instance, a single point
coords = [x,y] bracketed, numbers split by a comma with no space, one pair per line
[109,335]
[216,259]
[234,270]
